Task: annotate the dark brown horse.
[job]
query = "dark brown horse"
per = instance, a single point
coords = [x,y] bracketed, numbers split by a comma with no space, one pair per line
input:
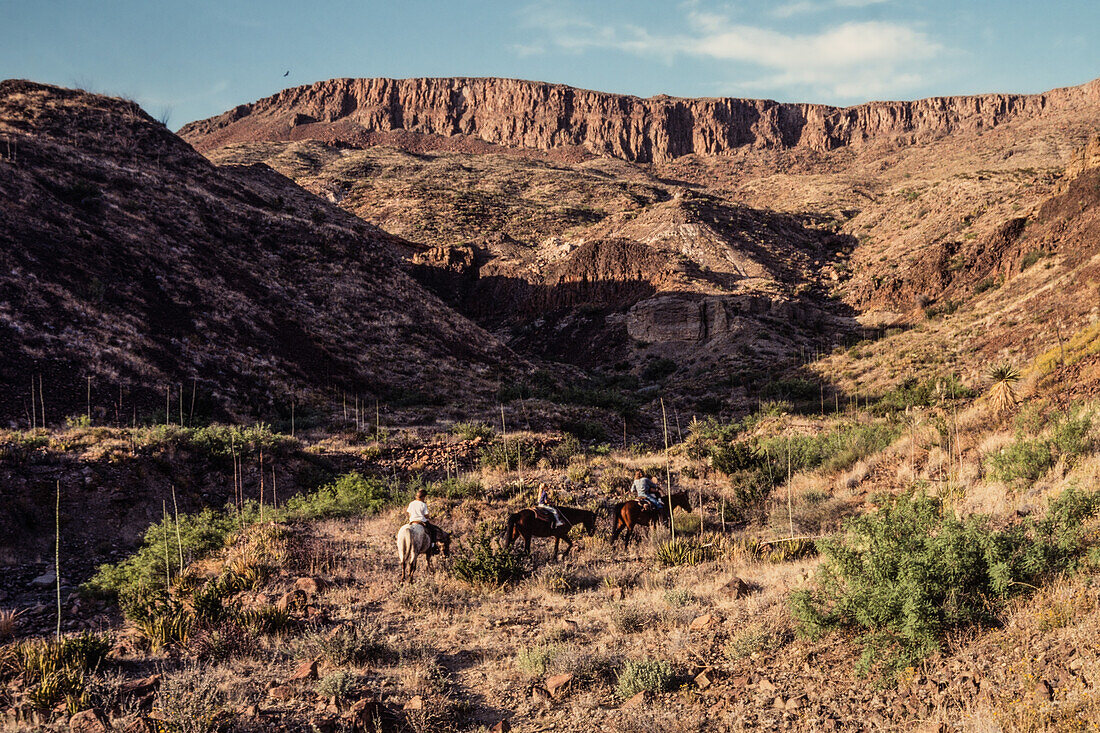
[627,514]
[528,523]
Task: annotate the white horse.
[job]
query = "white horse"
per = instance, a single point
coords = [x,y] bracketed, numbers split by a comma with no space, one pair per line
[412,542]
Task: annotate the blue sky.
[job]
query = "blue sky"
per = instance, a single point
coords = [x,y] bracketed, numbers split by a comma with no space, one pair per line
[195,59]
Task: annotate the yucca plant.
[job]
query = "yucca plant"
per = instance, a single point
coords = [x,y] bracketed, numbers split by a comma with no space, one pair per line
[1002,393]
[684,551]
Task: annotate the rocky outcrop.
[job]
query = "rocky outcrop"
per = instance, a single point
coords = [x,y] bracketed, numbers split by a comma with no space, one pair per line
[691,319]
[537,115]
[1087,158]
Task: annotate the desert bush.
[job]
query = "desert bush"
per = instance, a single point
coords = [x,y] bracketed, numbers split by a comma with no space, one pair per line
[646,675]
[535,660]
[683,551]
[1028,458]
[349,495]
[514,452]
[350,644]
[338,687]
[679,597]
[221,642]
[480,562]
[472,430]
[753,639]
[586,430]
[914,392]
[629,618]
[912,570]
[585,663]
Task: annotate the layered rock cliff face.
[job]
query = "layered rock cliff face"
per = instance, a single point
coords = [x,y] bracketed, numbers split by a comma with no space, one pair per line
[536,115]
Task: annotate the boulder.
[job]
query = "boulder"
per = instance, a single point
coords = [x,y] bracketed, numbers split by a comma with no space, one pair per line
[636,701]
[704,622]
[282,692]
[310,585]
[416,703]
[558,683]
[305,671]
[88,721]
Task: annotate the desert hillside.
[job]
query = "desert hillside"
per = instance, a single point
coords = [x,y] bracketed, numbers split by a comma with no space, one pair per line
[858,348]
[132,266]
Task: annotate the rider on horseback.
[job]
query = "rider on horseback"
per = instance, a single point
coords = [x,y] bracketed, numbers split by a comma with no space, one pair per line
[543,503]
[647,491]
[418,514]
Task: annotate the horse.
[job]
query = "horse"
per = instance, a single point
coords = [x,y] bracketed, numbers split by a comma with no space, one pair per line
[412,542]
[527,524]
[626,514]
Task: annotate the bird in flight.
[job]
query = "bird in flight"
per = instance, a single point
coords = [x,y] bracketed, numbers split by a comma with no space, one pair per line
[287,73]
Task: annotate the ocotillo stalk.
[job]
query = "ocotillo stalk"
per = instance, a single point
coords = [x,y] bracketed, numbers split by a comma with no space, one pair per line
[167,404]
[181,404]
[668,473]
[274,495]
[88,404]
[191,412]
[179,539]
[504,437]
[790,514]
[261,484]
[34,407]
[292,418]
[57,555]
[167,566]
[42,402]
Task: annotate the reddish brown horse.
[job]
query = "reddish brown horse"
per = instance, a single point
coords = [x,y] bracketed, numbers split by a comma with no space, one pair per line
[627,514]
[527,523]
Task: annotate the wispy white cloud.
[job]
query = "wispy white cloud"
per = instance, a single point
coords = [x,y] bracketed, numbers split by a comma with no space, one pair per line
[847,60]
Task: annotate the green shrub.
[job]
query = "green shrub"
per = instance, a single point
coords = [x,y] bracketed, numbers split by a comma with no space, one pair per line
[191,702]
[911,571]
[350,495]
[658,370]
[535,660]
[647,675]
[480,562]
[753,639]
[472,430]
[337,686]
[914,392]
[1029,458]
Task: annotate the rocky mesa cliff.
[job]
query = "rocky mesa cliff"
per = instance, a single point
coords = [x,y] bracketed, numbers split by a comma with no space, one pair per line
[536,115]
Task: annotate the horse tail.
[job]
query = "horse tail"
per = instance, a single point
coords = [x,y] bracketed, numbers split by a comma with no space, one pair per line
[509,529]
[404,544]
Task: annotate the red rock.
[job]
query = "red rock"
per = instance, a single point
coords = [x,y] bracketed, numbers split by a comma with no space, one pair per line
[282,692]
[88,721]
[736,588]
[637,700]
[416,703]
[501,727]
[310,585]
[704,622]
[305,671]
[141,687]
[557,683]
[702,681]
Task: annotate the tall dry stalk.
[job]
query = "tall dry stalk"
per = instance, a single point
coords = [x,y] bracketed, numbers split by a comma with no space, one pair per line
[790,511]
[34,408]
[179,539]
[42,401]
[668,473]
[504,438]
[57,554]
[167,562]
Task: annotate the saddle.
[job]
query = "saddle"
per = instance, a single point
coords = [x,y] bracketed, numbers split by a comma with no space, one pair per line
[543,514]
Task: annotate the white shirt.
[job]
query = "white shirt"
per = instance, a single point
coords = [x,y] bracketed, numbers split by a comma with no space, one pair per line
[418,511]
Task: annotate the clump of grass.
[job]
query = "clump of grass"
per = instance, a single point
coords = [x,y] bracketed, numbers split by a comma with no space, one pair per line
[535,660]
[351,644]
[56,670]
[473,430]
[338,687]
[191,702]
[684,551]
[629,619]
[753,639]
[1029,458]
[646,675]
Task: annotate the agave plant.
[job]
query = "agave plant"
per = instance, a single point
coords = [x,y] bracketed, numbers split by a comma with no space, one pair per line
[1002,393]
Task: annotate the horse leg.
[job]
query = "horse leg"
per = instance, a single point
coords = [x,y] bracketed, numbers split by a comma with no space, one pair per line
[618,527]
[527,544]
[568,545]
[557,541]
